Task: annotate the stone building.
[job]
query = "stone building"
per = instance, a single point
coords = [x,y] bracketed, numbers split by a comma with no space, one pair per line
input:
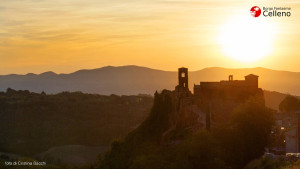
[211,103]
[291,124]
[206,88]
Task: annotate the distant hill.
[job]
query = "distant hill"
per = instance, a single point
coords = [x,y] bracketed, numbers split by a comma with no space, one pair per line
[33,123]
[273,99]
[128,80]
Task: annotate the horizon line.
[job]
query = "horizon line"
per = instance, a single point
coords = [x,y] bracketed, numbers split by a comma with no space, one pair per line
[108,66]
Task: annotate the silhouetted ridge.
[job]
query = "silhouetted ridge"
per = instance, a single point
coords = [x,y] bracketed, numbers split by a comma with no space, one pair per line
[135,79]
[49,73]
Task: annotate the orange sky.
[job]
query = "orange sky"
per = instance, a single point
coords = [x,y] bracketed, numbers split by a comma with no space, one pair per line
[66,35]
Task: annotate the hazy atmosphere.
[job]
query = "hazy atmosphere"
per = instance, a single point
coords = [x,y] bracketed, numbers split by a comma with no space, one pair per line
[67,35]
[149,84]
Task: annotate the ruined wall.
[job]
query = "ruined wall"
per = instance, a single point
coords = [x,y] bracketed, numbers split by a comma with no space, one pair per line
[214,108]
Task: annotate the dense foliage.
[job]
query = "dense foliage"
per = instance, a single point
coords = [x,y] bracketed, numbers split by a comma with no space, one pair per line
[269,163]
[31,123]
[289,104]
[231,146]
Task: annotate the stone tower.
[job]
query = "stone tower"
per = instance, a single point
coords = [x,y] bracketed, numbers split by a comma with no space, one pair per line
[252,80]
[183,77]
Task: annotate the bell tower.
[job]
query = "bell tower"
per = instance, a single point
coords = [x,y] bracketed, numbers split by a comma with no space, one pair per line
[183,77]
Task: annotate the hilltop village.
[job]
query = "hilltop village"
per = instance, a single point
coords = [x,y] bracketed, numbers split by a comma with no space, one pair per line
[211,103]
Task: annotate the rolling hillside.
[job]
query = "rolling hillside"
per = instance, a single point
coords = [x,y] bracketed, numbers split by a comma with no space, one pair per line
[130,80]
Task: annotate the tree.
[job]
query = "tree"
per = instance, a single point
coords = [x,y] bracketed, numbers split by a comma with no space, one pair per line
[248,133]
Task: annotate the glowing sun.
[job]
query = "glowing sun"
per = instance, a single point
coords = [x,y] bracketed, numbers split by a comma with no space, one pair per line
[247,39]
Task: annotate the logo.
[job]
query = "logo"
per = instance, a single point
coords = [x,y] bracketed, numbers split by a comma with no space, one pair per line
[255,11]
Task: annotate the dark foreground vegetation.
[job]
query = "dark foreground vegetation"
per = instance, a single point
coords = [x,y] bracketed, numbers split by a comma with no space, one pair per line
[231,146]
[31,123]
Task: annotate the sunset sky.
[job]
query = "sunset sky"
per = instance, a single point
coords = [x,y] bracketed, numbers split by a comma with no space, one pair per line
[67,35]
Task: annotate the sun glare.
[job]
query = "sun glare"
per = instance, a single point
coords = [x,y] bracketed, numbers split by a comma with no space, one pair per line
[248,39]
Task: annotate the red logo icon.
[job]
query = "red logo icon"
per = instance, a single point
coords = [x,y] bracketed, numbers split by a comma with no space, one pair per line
[255,11]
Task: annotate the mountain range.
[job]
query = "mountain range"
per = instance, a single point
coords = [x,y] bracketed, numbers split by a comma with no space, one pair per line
[130,80]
